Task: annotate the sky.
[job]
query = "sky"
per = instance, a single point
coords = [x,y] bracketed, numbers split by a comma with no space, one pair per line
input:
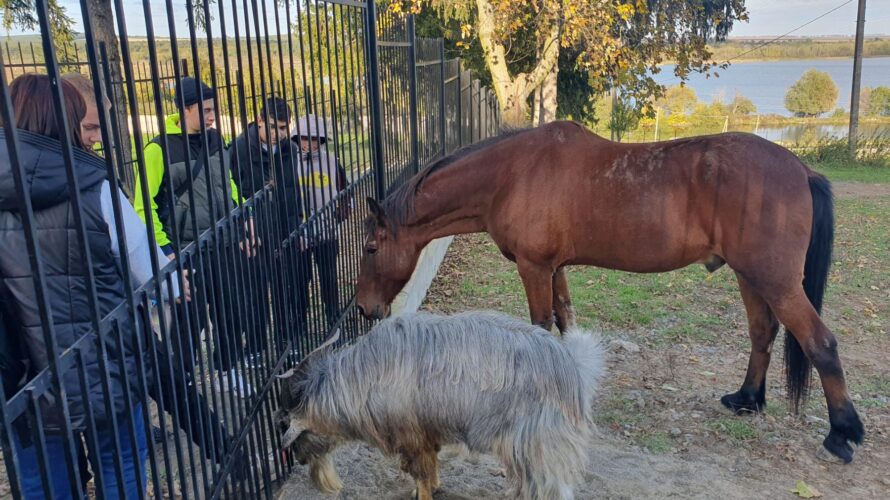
[767,17]
[775,17]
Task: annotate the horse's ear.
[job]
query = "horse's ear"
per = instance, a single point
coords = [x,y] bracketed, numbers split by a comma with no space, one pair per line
[377,211]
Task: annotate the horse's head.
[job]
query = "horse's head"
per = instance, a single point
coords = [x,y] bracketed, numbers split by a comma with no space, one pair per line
[388,259]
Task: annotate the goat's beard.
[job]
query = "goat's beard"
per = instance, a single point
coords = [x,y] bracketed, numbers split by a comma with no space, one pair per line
[316,450]
[324,475]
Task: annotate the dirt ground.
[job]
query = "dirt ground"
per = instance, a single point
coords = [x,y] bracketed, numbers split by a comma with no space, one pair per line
[859,189]
[661,431]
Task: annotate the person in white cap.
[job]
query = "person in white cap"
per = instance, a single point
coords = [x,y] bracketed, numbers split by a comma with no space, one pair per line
[323,181]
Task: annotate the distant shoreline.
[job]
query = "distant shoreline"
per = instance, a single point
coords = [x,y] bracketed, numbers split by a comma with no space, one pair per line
[777,59]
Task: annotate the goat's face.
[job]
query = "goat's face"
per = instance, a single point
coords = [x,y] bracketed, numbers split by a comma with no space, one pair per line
[292,394]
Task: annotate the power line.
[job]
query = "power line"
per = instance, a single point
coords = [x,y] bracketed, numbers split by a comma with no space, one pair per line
[783,35]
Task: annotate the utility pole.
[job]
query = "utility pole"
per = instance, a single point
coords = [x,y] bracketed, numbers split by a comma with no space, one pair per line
[857,78]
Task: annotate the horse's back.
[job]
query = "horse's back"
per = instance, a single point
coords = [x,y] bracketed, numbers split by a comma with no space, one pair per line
[603,203]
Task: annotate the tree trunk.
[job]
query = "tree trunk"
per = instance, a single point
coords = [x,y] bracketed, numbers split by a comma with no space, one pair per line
[104,32]
[513,91]
[548,93]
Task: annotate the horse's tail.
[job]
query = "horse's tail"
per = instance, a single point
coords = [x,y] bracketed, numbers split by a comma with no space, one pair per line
[798,368]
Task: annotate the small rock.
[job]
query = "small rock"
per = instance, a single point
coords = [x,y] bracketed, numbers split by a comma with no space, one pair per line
[676,432]
[857,397]
[625,346]
[812,419]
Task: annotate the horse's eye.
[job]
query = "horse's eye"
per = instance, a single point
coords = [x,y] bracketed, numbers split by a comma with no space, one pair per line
[371,250]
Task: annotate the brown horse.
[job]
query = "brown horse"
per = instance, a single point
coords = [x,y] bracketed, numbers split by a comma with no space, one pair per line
[559,195]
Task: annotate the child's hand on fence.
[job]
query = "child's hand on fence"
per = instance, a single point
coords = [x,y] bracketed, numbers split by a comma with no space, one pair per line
[186,291]
[251,245]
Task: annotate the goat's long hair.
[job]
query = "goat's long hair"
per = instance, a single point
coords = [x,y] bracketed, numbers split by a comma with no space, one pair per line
[489,381]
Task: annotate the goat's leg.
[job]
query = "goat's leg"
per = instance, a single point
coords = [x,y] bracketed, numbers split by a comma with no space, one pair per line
[423,467]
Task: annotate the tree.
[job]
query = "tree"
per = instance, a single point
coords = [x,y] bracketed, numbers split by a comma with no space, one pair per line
[22,14]
[741,105]
[815,93]
[678,99]
[620,43]
[879,103]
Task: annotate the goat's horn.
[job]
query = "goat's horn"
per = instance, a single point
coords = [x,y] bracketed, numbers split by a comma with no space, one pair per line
[287,374]
[332,338]
[289,437]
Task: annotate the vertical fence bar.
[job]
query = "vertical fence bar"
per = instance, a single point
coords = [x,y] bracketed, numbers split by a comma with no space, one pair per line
[442,120]
[412,92]
[374,99]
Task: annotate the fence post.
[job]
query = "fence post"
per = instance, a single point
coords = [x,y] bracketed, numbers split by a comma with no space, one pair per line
[374,98]
[412,91]
[442,123]
[471,108]
[460,105]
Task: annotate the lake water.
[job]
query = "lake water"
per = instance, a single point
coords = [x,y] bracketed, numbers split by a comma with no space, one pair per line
[765,83]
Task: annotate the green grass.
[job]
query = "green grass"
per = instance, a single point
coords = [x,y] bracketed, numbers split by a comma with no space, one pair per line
[617,411]
[844,171]
[877,385]
[656,442]
[732,428]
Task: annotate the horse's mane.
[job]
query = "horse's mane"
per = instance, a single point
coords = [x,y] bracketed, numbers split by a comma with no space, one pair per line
[399,205]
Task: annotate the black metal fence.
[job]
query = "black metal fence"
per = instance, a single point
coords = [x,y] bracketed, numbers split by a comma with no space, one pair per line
[103,337]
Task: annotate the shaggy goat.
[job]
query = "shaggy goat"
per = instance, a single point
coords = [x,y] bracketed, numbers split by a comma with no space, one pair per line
[418,382]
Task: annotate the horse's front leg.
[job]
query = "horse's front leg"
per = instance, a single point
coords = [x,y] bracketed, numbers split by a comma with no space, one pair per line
[538,283]
[562,302]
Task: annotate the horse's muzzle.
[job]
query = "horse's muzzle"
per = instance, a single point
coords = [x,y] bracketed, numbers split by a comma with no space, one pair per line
[378,312]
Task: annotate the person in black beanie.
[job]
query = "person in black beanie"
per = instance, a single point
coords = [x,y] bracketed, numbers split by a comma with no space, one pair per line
[194,161]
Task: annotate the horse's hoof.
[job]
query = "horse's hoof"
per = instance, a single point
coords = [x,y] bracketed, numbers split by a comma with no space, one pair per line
[837,445]
[739,403]
[826,456]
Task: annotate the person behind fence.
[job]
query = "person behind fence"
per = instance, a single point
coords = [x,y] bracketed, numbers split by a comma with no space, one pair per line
[201,195]
[321,179]
[168,385]
[263,157]
[67,284]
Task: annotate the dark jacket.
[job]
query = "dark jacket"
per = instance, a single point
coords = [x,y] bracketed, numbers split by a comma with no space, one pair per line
[254,166]
[183,152]
[65,275]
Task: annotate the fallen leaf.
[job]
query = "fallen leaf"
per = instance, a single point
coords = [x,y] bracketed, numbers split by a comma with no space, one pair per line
[803,490]
[669,388]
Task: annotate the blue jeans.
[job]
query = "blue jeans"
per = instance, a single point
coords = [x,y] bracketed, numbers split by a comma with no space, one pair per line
[133,463]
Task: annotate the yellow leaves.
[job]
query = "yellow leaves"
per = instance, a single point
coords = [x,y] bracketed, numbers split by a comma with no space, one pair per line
[405,7]
[626,11]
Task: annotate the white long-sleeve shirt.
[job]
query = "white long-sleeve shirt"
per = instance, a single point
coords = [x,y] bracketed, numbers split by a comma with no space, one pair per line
[138,250]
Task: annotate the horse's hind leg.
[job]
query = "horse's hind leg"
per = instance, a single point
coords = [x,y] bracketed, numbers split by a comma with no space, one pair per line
[762,328]
[538,283]
[819,345]
[562,302]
